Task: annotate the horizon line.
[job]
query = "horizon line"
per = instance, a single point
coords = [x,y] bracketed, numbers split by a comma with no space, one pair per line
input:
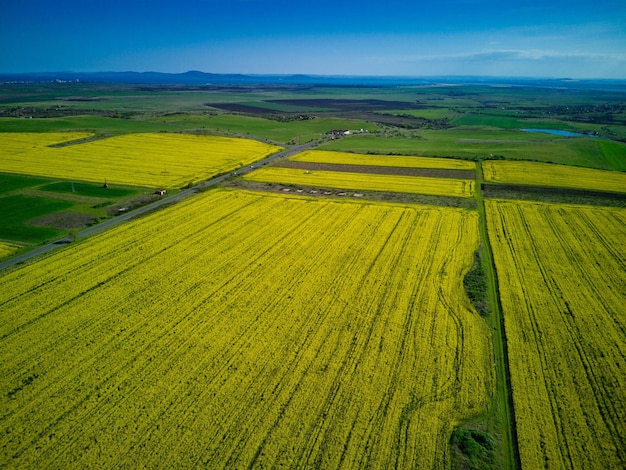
[322,75]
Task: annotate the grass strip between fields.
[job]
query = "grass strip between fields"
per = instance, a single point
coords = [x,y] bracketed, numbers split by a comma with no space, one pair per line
[505,412]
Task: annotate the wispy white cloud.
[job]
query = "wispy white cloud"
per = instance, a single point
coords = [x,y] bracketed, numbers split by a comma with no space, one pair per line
[517,62]
[516,55]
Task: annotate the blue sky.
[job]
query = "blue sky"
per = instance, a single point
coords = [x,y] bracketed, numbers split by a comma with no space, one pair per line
[576,39]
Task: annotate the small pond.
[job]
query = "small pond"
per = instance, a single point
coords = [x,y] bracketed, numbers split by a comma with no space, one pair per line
[559,132]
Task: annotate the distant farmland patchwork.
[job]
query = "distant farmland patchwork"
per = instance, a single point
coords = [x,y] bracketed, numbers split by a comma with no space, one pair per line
[239,329]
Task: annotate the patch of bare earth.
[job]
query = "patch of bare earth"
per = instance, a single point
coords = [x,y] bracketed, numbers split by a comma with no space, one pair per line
[64,220]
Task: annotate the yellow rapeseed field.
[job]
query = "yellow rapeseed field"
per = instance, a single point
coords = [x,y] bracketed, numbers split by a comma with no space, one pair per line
[151,160]
[562,273]
[7,249]
[546,174]
[12,143]
[365,181]
[240,330]
[325,156]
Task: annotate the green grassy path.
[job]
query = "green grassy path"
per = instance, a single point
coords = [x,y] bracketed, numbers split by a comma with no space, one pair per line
[504,411]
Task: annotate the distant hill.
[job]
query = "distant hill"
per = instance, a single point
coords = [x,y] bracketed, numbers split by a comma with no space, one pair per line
[202,78]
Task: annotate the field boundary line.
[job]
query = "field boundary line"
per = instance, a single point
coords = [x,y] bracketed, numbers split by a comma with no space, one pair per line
[504,392]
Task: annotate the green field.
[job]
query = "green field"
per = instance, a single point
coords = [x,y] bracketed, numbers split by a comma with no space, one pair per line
[9,183]
[505,122]
[484,143]
[87,189]
[430,113]
[275,131]
[18,210]
[249,126]
[24,201]
[96,124]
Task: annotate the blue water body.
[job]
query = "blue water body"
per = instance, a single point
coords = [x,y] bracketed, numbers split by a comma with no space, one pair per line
[559,132]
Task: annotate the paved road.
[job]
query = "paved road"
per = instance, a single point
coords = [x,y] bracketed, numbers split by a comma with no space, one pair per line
[107,224]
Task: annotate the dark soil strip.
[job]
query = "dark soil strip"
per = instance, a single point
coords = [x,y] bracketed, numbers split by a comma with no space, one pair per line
[400,198]
[380,170]
[350,105]
[242,108]
[78,141]
[64,220]
[553,194]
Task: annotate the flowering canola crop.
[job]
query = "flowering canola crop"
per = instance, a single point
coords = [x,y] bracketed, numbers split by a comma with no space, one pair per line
[245,330]
[562,272]
[545,174]
[365,181]
[7,249]
[152,160]
[325,156]
[19,142]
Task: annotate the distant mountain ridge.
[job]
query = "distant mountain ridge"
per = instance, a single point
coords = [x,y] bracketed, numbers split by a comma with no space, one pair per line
[194,77]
